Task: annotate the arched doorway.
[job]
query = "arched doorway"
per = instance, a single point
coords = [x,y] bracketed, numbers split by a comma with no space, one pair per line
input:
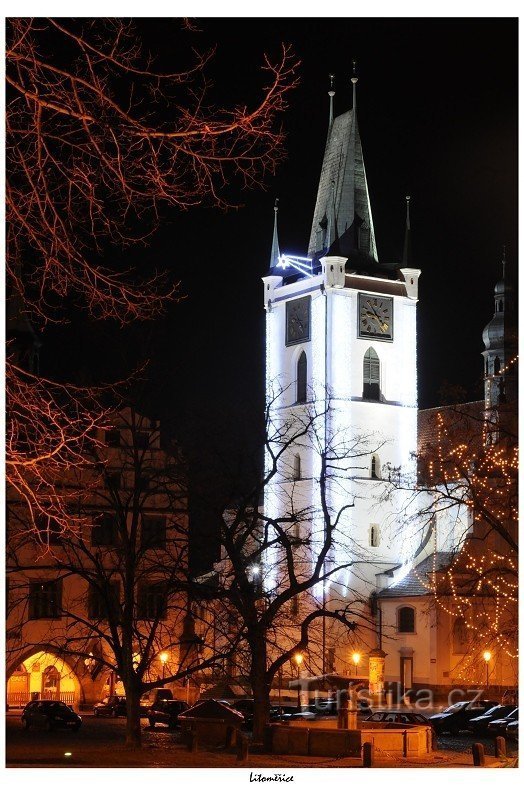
[47,676]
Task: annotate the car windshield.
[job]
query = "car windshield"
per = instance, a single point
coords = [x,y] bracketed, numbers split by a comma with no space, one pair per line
[455,707]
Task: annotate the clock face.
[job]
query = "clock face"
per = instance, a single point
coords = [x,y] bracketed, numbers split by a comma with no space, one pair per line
[298,320]
[375,317]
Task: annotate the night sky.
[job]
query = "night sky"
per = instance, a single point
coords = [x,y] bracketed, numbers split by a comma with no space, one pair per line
[437,108]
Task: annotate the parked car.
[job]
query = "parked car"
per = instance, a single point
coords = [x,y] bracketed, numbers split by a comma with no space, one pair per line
[499,726]
[114,706]
[149,698]
[50,714]
[456,717]
[480,724]
[512,730]
[404,717]
[165,712]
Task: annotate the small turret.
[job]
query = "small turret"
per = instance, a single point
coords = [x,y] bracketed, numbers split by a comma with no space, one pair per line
[500,343]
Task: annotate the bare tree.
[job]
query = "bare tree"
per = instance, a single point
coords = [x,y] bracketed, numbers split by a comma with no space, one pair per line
[466,504]
[99,144]
[274,569]
[111,593]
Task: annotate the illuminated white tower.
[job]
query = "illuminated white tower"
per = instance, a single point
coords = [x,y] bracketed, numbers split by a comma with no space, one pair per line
[341,333]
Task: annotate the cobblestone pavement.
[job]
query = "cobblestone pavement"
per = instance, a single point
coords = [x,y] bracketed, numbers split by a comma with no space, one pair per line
[100,743]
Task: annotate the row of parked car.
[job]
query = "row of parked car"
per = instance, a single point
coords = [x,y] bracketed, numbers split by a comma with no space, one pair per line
[484,717]
[481,717]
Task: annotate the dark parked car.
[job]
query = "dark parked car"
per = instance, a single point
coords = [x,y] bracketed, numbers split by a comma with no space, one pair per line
[114,706]
[150,698]
[480,724]
[404,717]
[165,712]
[456,718]
[512,730]
[498,726]
[50,714]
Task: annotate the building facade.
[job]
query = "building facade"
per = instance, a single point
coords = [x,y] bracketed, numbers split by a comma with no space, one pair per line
[68,589]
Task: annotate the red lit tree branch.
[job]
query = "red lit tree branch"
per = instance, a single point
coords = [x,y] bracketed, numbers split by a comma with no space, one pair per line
[97,145]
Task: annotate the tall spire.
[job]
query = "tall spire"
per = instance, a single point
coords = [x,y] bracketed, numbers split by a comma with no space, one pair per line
[343,192]
[275,249]
[406,257]
[354,81]
[331,94]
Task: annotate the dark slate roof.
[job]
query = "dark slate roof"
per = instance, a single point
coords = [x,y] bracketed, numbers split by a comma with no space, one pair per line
[342,191]
[415,583]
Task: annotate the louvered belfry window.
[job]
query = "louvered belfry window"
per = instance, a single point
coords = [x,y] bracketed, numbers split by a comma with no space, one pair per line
[371,388]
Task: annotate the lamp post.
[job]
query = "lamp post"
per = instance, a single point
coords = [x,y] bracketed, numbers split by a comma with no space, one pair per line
[356,661]
[164,658]
[299,658]
[486,655]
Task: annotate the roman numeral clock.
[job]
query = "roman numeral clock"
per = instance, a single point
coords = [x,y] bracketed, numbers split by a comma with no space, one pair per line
[375,317]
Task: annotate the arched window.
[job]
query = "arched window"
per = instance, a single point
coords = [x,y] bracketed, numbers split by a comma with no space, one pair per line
[374,536]
[460,636]
[371,371]
[297,467]
[496,366]
[487,368]
[406,619]
[375,466]
[302,378]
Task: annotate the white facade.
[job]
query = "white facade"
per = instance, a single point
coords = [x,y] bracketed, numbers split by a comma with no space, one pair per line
[371,536]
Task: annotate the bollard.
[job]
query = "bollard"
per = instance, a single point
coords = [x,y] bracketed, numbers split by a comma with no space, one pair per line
[479,757]
[500,747]
[242,748]
[367,754]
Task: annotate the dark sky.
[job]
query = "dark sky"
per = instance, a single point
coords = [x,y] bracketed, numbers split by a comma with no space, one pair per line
[437,104]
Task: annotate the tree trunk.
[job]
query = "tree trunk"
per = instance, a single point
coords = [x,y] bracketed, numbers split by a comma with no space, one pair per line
[260,687]
[133,727]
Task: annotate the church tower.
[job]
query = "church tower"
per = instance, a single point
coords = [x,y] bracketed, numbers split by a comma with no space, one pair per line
[501,344]
[341,337]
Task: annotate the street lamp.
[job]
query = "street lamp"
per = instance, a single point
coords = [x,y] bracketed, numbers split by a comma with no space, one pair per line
[164,658]
[299,658]
[486,655]
[356,660]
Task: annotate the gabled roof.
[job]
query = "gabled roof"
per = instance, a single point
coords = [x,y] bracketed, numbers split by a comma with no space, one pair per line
[418,581]
[343,204]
